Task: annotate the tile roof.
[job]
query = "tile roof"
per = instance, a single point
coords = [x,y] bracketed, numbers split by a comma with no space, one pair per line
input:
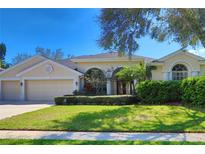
[109,55]
[69,63]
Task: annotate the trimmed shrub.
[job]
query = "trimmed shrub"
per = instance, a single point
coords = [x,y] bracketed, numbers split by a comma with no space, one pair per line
[193,90]
[159,92]
[97,100]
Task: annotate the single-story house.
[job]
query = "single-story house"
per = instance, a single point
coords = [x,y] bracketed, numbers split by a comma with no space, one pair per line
[39,78]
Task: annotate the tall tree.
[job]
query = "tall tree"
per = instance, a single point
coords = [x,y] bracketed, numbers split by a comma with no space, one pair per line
[55,55]
[2,55]
[122,28]
[20,57]
[70,56]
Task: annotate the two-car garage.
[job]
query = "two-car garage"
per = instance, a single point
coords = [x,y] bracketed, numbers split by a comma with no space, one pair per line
[38,79]
[36,90]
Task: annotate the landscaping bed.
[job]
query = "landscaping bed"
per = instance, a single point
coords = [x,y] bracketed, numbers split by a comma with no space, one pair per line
[97,100]
[130,118]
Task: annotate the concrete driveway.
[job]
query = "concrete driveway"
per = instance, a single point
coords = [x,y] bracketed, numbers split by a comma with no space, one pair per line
[9,108]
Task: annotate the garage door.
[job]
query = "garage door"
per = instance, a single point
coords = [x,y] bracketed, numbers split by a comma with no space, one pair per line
[47,89]
[10,90]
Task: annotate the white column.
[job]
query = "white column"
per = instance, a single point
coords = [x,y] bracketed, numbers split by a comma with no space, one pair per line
[22,89]
[195,73]
[82,84]
[108,86]
[166,75]
[78,84]
[0,91]
[127,88]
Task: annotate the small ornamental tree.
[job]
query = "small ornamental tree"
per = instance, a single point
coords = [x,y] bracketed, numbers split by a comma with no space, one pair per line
[130,73]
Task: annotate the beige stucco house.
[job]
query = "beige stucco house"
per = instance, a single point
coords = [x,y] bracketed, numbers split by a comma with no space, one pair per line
[39,78]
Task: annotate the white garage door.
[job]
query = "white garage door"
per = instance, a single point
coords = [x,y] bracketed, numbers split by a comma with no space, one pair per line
[10,90]
[47,89]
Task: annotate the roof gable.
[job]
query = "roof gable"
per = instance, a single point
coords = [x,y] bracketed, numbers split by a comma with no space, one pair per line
[23,65]
[44,62]
[179,52]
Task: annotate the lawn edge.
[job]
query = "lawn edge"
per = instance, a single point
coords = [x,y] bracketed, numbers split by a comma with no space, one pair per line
[49,130]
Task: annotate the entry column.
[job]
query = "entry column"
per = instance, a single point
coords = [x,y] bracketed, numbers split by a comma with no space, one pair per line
[108,86]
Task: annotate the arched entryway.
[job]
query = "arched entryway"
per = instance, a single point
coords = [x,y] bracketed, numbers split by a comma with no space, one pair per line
[95,82]
[179,72]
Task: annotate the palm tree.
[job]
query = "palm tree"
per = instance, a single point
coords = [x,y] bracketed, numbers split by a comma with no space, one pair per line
[138,72]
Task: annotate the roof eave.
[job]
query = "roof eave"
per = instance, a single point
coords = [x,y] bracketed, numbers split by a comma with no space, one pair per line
[106,59]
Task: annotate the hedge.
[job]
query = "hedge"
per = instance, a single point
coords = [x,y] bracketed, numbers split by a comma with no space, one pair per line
[193,90]
[97,100]
[190,91]
[159,92]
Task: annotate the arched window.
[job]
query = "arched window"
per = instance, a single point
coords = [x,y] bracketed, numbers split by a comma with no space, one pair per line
[179,72]
[95,81]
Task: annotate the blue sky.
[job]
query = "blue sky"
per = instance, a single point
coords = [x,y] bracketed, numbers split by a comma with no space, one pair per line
[75,31]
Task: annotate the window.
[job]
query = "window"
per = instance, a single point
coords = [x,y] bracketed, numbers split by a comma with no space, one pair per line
[179,72]
[95,81]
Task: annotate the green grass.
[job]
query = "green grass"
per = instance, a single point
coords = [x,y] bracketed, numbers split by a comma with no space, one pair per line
[78,142]
[110,118]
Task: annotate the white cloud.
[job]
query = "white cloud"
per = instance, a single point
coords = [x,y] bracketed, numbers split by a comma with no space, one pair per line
[199,52]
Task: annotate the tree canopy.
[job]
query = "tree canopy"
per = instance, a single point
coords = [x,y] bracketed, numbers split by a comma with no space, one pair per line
[122,28]
[3,64]
[138,72]
[54,55]
[20,57]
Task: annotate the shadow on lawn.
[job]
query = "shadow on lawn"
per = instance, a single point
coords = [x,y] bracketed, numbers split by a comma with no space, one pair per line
[93,121]
[106,121]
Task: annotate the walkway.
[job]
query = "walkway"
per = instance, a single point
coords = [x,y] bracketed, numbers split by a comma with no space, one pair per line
[62,135]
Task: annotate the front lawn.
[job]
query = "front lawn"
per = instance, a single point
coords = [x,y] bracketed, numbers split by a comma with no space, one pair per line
[110,118]
[79,142]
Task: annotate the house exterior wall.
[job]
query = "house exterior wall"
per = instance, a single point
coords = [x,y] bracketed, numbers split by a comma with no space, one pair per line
[182,58]
[157,73]
[56,72]
[164,70]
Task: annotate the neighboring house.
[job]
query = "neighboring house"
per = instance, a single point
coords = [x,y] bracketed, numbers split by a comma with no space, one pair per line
[39,78]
